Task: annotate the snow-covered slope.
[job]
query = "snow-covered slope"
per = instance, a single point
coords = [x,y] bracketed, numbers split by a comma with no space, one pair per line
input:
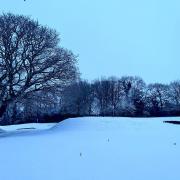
[94,149]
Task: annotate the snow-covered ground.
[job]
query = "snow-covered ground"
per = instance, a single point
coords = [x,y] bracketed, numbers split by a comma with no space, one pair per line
[92,149]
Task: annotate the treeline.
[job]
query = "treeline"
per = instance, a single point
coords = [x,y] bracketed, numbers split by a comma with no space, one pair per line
[126,96]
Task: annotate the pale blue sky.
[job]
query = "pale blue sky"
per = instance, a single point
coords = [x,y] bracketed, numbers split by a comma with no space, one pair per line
[113,37]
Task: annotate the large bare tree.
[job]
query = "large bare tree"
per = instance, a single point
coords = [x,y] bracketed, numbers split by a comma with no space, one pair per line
[30,59]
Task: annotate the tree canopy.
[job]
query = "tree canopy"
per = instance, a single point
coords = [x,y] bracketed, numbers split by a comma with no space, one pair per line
[31,59]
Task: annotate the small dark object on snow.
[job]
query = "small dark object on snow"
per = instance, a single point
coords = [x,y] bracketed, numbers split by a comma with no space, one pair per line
[174,144]
[173,122]
[108,140]
[80,154]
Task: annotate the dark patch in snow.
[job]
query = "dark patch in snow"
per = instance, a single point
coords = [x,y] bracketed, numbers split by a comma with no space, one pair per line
[2,131]
[26,128]
[173,122]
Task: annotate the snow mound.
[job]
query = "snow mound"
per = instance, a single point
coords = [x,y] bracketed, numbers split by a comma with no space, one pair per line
[21,128]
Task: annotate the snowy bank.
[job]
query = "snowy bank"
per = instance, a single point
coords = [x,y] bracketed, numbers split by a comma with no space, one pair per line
[26,127]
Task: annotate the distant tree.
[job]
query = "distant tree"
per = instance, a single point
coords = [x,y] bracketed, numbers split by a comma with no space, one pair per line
[30,59]
[126,82]
[108,94]
[127,107]
[157,98]
[115,95]
[132,102]
[101,92]
[137,95]
[77,99]
[174,93]
[37,105]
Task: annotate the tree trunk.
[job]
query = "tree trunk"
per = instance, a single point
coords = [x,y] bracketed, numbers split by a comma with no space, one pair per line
[3,109]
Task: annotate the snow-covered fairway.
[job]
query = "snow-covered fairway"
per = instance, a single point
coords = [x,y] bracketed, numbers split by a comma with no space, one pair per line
[94,149]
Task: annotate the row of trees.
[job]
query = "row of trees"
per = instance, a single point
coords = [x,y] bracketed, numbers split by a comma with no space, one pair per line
[126,96]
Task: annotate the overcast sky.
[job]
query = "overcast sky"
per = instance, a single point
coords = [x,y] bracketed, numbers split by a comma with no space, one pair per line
[113,37]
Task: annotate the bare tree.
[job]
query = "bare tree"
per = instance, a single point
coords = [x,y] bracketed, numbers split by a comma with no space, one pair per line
[157,98]
[115,94]
[101,91]
[137,96]
[77,99]
[30,59]
[175,93]
[39,104]
[133,95]
[108,93]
